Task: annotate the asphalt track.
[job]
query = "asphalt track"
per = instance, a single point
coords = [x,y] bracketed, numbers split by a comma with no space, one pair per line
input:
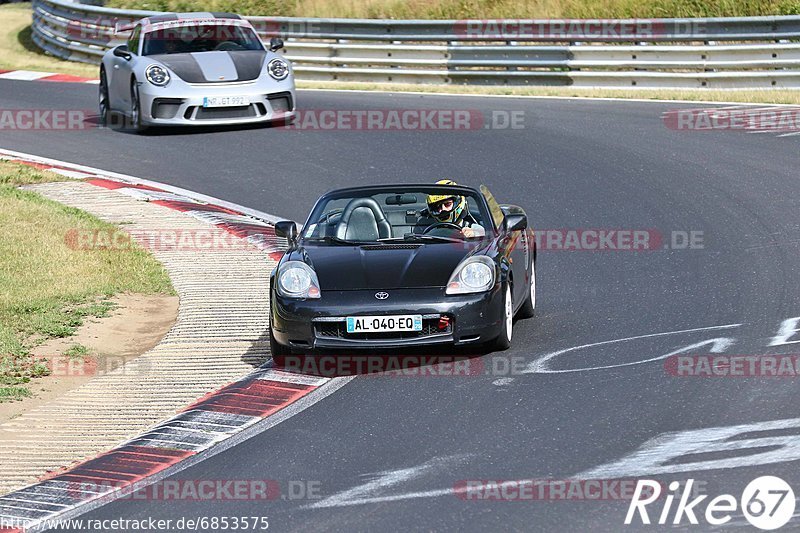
[403,442]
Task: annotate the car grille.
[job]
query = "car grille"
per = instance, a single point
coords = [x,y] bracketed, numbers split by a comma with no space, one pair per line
[337,329]
[212,113]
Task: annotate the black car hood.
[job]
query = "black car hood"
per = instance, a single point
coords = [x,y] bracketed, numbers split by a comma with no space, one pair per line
[345,268]
[215,67]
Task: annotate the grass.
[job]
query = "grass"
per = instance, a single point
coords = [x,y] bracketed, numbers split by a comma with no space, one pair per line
[48,288]
[77,351]
[766,96]
[460,9]
[18,51]
[13,394]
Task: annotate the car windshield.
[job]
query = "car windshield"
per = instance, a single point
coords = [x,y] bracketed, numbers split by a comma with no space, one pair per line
[200,38]
[399,214]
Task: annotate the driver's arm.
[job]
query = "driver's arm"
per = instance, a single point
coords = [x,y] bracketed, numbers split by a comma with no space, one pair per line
[475,230]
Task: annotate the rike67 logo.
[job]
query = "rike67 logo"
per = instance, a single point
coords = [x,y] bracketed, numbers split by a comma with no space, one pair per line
[767,503]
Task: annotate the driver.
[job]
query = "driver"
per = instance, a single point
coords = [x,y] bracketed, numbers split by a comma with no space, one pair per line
[453,209]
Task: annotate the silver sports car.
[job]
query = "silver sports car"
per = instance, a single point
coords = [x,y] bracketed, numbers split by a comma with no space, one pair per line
[195,69]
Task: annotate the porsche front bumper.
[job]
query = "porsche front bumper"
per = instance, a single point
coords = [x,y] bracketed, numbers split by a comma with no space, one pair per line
[183,106]
[320,323]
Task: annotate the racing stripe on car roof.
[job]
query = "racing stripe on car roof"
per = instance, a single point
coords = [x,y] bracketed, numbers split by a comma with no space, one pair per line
[226,16]
[162,18]
[197,15]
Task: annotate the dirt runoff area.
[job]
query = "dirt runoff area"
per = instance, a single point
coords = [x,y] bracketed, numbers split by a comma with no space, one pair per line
[136,324]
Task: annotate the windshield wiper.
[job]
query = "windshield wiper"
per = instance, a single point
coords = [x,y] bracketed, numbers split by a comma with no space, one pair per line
[334,240]
[435,238]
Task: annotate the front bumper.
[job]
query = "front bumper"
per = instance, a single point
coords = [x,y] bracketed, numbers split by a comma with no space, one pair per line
[311,324]
[183,105]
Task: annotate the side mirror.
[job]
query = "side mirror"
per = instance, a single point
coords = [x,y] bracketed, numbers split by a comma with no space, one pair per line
[122,51]
[275,44]
[515,222]
[287,229]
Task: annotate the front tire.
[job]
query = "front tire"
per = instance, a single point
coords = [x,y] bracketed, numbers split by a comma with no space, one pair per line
[276,349]
[528,308]
[503,341]
[103,103]
[136,109]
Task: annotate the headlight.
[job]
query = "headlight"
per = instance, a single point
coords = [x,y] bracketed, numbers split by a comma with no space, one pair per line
[278,69]
[474,274]
[157,75]
[297,280]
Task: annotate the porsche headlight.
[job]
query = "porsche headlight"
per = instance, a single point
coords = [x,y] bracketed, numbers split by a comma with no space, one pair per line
[157,75]
[475,274]
[297,280]
[278,69]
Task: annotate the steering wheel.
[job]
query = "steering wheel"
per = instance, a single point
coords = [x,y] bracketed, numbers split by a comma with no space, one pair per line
[441,225]
[227,46]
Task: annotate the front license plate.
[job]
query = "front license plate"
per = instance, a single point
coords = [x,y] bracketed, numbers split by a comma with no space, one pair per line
[378,324]
[225,101]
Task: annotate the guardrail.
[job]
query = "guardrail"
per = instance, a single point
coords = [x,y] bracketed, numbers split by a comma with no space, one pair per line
[752,52]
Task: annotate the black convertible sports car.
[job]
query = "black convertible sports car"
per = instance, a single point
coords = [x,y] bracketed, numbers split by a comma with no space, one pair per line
[374,267]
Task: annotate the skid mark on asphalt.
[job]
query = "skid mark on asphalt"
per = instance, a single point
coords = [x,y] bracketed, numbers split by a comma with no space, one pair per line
[746,445]
[363,494]
[760,443]
[717,345]
[541,366]
[789,328]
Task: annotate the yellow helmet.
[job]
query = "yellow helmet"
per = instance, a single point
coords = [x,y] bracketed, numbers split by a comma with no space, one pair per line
[454,214]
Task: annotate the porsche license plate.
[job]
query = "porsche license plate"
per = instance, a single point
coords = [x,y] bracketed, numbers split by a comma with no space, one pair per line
[382,324]
[225,101]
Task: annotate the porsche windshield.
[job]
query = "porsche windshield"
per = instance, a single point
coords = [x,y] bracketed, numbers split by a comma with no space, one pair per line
[200,38]
[428,214]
